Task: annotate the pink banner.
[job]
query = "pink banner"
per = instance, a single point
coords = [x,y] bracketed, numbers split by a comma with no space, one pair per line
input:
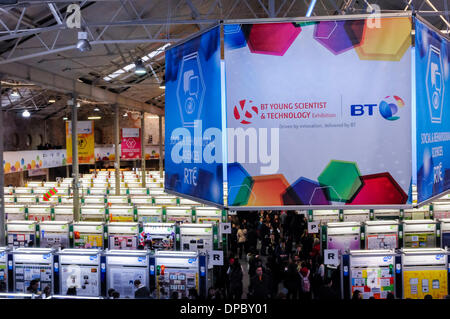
[131,143]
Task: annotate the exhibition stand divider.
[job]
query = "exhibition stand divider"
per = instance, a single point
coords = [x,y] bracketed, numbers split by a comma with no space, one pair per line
[180,214]
[89,235]
[63,212]
[149,214]
[39,213]
[445,233]
[382,234]
[343,236]
[95,213]
[420,234]
[121,214]
[441,210]
[360,215]
[14,212]
[162,235]
[54,234]
[93,199]
[123,235]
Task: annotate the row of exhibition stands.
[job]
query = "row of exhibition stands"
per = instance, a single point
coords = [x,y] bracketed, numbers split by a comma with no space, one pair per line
[92,272]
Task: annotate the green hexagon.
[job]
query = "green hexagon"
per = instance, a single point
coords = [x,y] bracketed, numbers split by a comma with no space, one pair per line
[343,178]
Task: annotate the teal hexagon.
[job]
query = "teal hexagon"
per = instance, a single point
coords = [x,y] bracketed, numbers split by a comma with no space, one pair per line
[342,179]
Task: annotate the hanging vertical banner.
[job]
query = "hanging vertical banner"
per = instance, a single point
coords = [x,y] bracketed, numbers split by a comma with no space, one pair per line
[86,142]
[131,143]
[433,112]
[193,120]
[319,113]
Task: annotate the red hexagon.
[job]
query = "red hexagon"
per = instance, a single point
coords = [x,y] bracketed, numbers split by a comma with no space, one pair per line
[272,38]
[379,189]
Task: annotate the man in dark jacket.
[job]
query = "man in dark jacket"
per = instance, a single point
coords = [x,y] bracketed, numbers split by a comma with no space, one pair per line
[235,277]
[141,290]
[326,292]
[260,285]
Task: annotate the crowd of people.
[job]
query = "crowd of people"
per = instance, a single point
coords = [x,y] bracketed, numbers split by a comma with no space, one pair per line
[282,260]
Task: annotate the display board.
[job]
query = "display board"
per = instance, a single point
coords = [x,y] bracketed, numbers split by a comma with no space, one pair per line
[445,239]
[21,239]
[343,242]
[193,121]
[122,242]
[175,280]
[87,240]
[419,240]
[54,240]
[31,160]
[122,279]
[88,278]
[85,134]
[162,236]
[433,119]
[364,90]
[382,241]
[374,282]
[24,273]
[3,272]
[421,282]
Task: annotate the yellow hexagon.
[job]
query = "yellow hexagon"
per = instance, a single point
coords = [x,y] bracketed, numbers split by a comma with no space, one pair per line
[33,164]
[386,43]
[7,167]
[17,165]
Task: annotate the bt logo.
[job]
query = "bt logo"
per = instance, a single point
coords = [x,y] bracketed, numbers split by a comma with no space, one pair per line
[246,112]
[388,108]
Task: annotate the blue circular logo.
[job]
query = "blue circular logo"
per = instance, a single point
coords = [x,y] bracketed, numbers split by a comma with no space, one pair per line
[390,106]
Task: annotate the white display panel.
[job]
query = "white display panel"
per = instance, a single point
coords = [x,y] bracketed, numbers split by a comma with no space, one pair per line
[85,278]
[122,279]
[176,280]
[20,240]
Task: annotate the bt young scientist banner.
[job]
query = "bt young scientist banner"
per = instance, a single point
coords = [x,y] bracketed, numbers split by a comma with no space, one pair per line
[319,113]
[433,112]
[193,160]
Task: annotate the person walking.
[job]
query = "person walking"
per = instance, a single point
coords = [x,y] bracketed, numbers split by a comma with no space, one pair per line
[260,285]
[241,239]
[292,281]
[235,275]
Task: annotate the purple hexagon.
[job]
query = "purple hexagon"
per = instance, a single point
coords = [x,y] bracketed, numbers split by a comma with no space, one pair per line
[272,38]
[305,192]
[339,36]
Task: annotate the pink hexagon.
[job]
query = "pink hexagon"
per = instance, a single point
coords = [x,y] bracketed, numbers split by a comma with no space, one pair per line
[272,38]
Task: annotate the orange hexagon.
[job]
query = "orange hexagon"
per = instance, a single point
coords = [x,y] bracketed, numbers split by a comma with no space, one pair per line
[7,167]
[386,43]
[268,190]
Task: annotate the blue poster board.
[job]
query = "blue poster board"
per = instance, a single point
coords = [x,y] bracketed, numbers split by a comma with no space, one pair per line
[193,118]
[432,64]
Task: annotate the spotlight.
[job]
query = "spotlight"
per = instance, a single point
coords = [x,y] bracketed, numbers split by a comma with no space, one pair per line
[83,43]
[65,118]
[26,113]
[96,109]
[139,68]
[94,117]
[51,101]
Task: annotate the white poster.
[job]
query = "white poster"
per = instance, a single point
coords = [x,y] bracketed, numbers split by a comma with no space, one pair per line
[122,279]
[85,278]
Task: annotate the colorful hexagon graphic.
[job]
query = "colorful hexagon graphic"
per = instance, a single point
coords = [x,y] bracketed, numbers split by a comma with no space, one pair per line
[305,192]
[342,179]
[379,189]
[268,190]
[339,36]
[272,38]
[387,41]
[240,185]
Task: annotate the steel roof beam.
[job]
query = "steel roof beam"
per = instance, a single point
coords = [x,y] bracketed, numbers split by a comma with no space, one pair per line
[66,85]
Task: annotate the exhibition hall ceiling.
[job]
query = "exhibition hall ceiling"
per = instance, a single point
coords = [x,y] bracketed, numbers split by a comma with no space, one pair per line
[35,39]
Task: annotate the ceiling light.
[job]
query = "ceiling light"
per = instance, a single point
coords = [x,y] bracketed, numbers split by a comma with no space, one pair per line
[96,109]
[162,86]
[51,101]
[139,68]
[152,116]
[125,115]
[65,118]
[83,43]
[94,117]
[26,113]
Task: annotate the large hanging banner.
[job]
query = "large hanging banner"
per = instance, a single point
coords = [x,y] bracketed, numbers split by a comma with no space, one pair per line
[193,148]
[32,160]
[86,142]
[131,144]
[319,113]
[433,112]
